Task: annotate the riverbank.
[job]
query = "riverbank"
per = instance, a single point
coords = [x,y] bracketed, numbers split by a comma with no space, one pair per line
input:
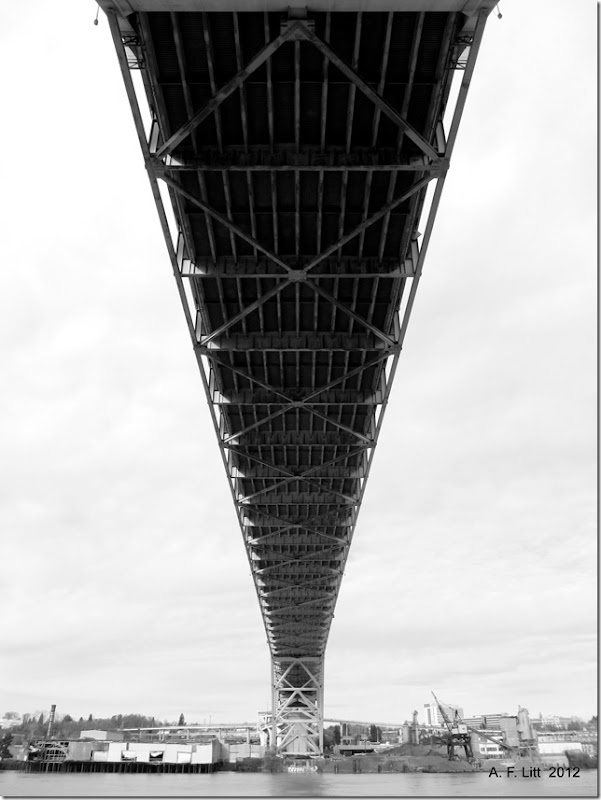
[404,758]
[416,759]
[369,764]
[381,763]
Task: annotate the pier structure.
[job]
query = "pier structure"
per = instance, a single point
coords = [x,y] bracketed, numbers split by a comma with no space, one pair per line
[297,152]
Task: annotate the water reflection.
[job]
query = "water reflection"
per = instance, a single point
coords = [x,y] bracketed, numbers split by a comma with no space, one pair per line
[301,784]
[256,784]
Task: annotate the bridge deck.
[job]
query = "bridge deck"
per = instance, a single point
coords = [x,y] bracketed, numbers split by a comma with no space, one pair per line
[297,151]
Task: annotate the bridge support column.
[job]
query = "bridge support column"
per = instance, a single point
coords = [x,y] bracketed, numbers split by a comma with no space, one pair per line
[297,718]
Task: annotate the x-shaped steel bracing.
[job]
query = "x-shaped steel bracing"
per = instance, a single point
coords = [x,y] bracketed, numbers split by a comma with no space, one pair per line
[297,691]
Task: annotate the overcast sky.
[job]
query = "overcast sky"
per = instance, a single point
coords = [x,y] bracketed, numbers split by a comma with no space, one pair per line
[124,581]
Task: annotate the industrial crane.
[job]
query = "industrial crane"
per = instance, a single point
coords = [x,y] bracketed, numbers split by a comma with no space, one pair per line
[458,733]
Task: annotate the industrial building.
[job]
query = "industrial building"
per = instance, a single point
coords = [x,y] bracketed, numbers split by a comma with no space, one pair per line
[483,747]
[101,736]
[102,754]
[434,718]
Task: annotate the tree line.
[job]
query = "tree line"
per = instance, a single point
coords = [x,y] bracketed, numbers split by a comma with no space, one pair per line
[66,727]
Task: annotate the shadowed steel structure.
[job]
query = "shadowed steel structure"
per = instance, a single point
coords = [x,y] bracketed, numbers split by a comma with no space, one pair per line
[297,156]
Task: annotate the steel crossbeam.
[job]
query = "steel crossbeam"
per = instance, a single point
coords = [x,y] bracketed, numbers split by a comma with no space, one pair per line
[297,308]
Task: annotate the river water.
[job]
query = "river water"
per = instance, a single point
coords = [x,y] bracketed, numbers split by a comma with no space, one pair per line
[238,784]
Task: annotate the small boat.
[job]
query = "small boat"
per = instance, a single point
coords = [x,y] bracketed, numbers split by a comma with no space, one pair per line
[301,765]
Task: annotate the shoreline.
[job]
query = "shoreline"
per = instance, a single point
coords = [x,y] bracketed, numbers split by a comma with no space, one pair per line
[347,766]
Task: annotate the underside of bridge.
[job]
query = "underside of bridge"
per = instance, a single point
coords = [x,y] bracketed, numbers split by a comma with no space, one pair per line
[297,155]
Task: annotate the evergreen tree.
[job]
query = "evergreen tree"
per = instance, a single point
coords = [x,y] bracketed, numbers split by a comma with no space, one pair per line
[181,720]
[4,744]
[328,739]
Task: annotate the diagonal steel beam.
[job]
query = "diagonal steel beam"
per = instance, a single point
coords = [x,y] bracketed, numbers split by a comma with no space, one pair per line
[225,91]
[311,410]
[244,313]
[377,99]
[244,501]
[254,425]
[332,570]
[320,626]
[340,425]
[213,356]
[324,519]
[370,221]
[301,560]
[349,312]
[306,528]
[308,408]
[337,539]
[294,636]
[288,585]
[379,358]
[351,501]
[242,452]
[276,611]
[313,678]
[226,223]
[266,552]
[300,477]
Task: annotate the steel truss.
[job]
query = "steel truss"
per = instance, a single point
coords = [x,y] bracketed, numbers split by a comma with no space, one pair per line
[297,348]
[297,701]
